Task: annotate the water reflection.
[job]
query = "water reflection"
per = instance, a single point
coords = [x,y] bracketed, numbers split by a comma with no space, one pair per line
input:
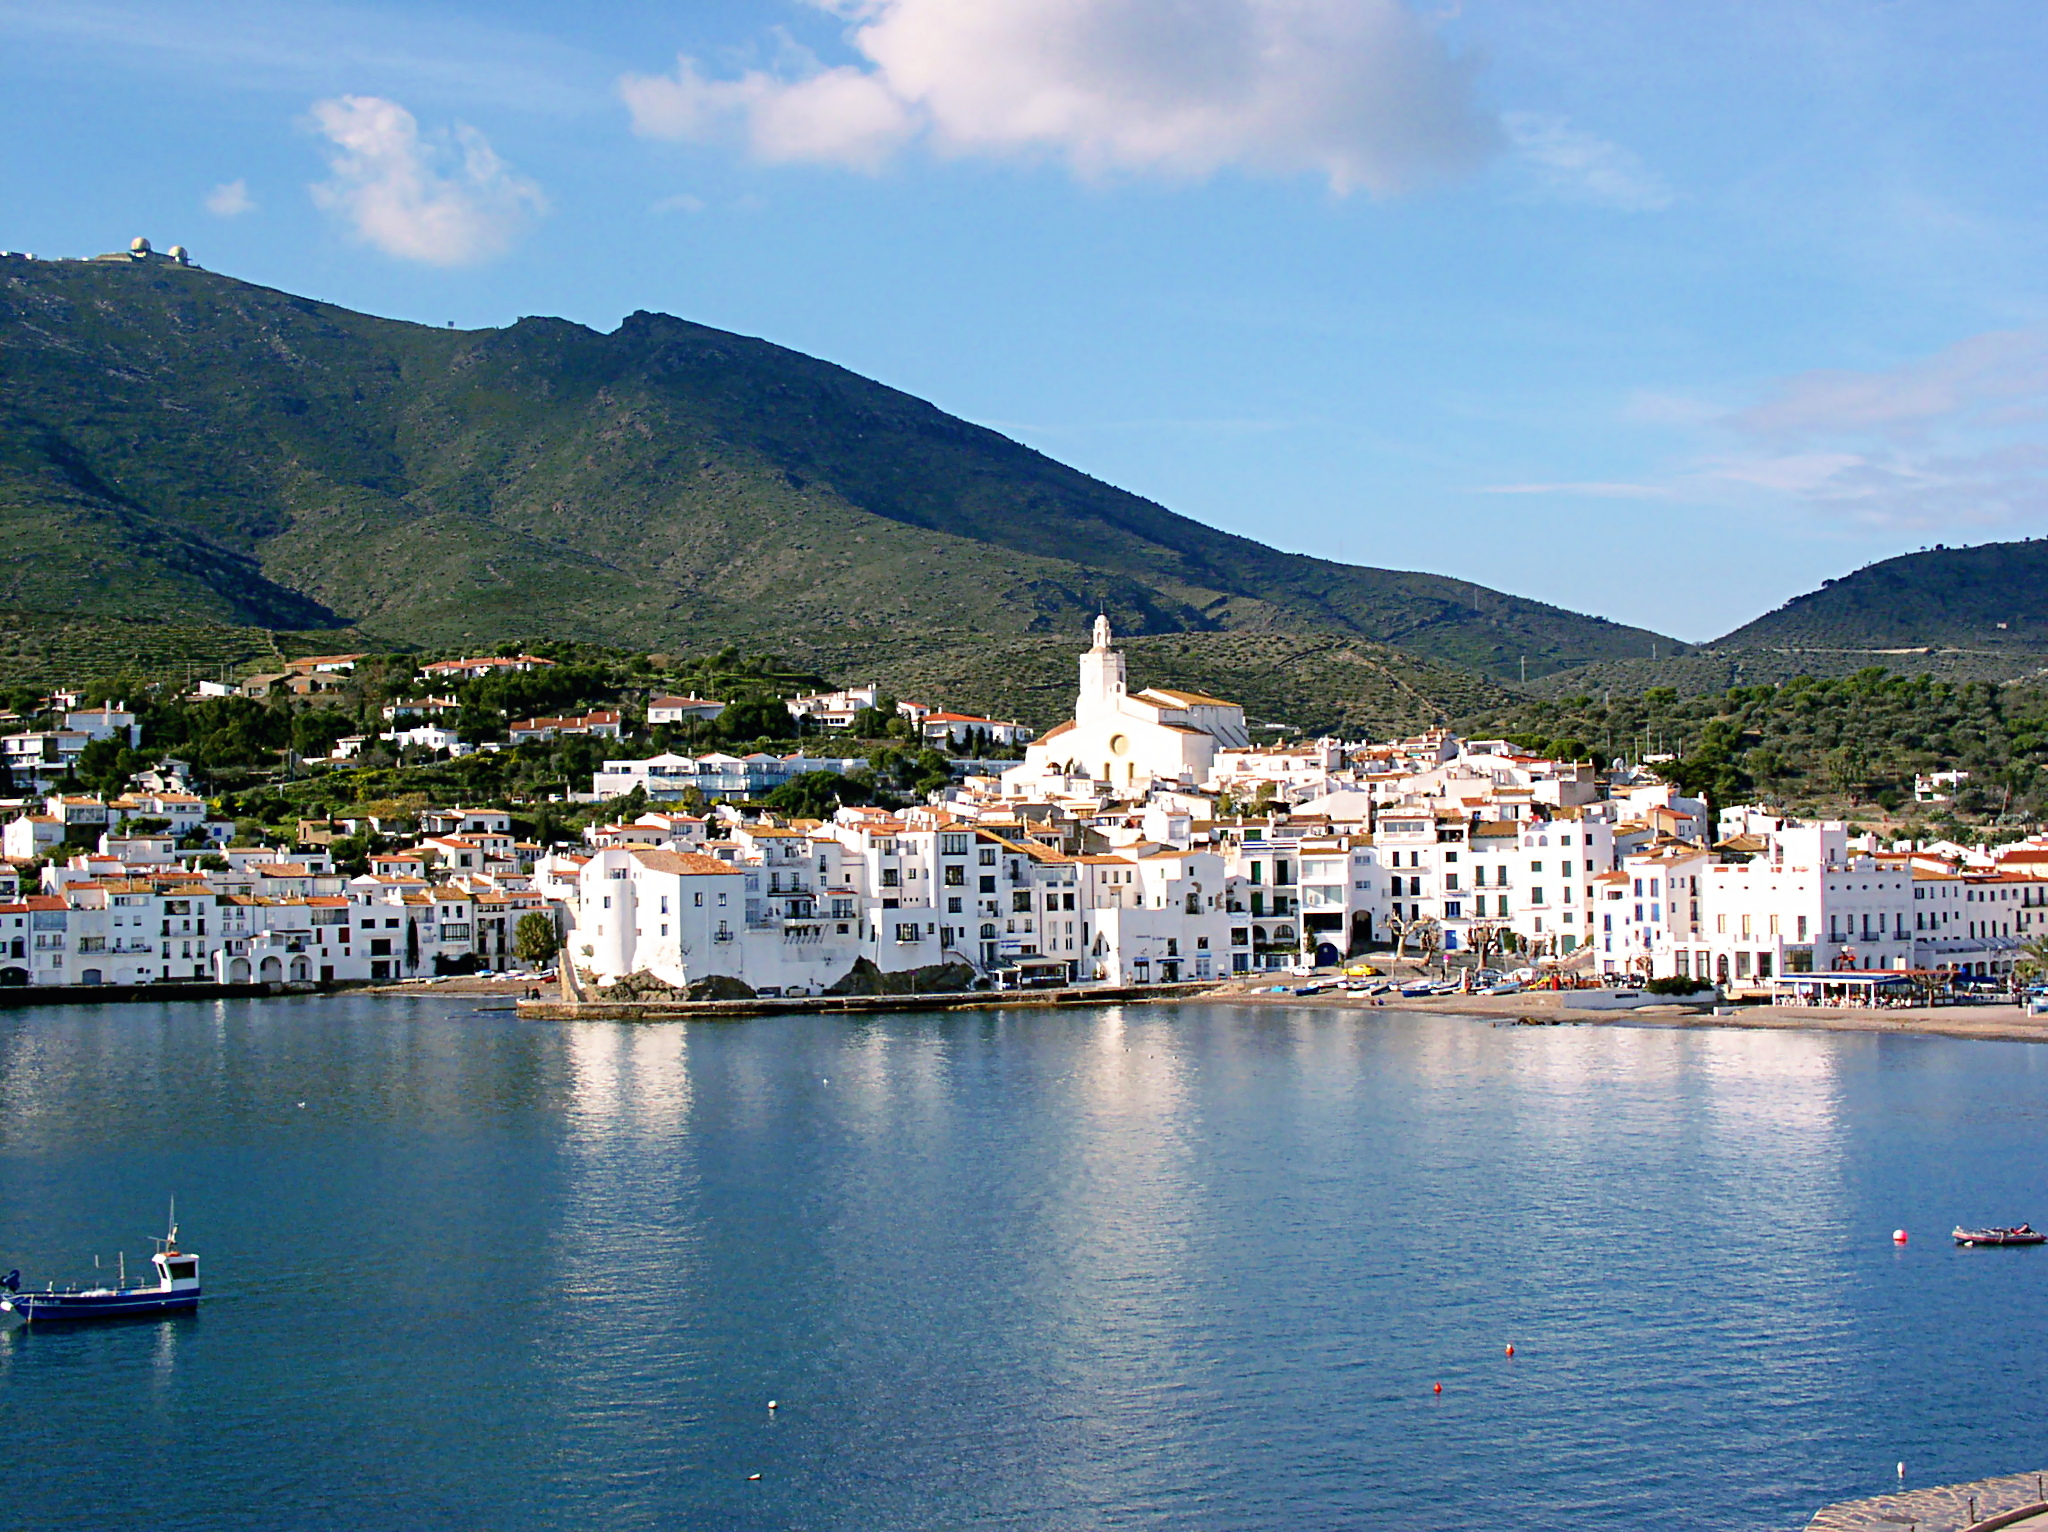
[1144,1266]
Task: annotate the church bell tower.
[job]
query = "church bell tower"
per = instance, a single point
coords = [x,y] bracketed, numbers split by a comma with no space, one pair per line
[1102,677]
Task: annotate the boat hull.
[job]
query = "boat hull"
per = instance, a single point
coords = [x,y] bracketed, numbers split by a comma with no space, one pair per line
[2000,1237]
[87,1308]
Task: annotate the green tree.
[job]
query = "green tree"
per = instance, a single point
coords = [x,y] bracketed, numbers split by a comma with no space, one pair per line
[755,717]
[817,795]
[2033,958]
[534,939]
[875,722]
[105,765]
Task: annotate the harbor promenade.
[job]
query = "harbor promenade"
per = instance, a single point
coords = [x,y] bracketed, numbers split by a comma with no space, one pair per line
[2016,1500]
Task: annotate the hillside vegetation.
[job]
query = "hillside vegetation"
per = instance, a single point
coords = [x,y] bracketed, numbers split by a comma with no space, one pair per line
[1310,682]
[178,445]
[1996,593]
[1845,745]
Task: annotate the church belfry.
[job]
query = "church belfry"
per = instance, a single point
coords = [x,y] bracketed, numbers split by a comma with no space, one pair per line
[1102,676]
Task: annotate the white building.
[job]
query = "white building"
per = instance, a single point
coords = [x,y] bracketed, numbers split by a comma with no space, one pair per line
[1128,742]
[683,709]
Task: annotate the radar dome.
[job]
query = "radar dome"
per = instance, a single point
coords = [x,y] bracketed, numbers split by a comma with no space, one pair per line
[139,245]
[177,252]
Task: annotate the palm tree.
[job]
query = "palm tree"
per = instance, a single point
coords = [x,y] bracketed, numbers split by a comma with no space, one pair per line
[2033,959]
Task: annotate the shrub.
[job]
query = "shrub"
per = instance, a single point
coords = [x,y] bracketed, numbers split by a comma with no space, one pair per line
[1678,985]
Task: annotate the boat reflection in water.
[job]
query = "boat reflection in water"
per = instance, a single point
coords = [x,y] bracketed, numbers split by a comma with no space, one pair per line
[175,1291]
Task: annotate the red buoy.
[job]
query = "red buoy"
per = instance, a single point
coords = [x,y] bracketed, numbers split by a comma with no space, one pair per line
[1898,1236]
[1439,1388]
[1511,1350]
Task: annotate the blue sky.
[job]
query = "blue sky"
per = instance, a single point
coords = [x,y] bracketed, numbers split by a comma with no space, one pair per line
[1663,312]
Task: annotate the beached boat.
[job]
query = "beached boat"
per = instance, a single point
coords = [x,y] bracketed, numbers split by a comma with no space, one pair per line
[175,1291]
[1612,998]
[2025,1234]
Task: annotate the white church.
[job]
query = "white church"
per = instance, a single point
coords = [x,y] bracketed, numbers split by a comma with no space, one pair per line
[1159,737]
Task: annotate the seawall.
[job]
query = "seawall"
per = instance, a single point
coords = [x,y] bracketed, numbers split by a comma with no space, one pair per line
[21,996]
[836,1005]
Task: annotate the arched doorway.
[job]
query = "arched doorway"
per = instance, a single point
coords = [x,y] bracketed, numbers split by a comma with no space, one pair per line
[90,976]
[1721,967]
[238,971]
[300,971]
[13,976]
[271,970]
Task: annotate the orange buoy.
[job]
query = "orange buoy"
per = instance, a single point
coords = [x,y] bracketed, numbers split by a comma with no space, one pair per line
[1511,1350]
[1439,1388]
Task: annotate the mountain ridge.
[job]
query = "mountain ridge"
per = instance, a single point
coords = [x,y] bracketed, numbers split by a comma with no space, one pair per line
[180,444]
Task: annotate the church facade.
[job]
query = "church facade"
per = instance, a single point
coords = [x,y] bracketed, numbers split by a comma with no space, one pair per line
[1131,741]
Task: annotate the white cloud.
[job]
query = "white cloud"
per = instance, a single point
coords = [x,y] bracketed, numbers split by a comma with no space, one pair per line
[1598,489]
[1954,439]
[1360,92]
[444,198]
[1998,376]
[681,202]
[230,199]
[1568,164]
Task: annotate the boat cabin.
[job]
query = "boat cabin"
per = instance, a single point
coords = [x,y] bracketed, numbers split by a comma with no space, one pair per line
[177,1271]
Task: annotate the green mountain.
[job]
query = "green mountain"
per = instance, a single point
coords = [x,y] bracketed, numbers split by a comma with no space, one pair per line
[182,446]
[1995,594]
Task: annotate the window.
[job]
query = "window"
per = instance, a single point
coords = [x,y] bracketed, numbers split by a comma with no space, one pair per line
[698,900]
[1535,867]
[1020,901]
[956,875]
[987,859]
[953,905]
[988,883]
[906,933]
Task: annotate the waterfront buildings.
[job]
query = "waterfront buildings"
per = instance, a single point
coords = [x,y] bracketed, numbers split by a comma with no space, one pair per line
[1144,840]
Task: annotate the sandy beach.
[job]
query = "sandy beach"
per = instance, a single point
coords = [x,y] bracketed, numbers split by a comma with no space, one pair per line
[1998,1023]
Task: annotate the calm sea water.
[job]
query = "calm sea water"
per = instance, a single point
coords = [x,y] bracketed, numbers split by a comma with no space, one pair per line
[1192,1267]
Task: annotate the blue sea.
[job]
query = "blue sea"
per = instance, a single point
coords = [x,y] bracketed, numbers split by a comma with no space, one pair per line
[1159,1266]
